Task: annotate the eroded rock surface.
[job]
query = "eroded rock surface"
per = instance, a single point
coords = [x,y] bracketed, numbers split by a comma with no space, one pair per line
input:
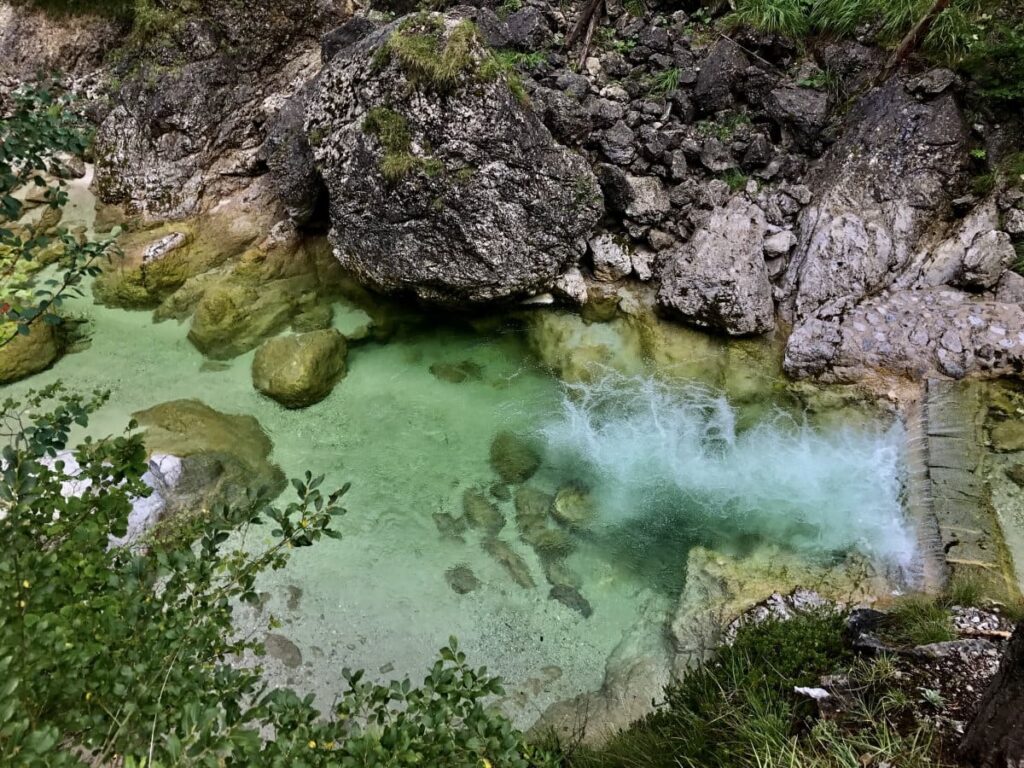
[453,192]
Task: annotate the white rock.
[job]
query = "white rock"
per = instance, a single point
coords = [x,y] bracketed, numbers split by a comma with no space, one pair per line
[611,261]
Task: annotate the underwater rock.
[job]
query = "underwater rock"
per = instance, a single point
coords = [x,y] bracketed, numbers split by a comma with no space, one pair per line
[283,649]
[450,527]
[315,318]
[532,506]
[1016,474]
[500,491]
[456,373]
[1008,436]
[27,354]
[467,198]
[233,448]
[558,573]
[511,561]
[570,597]
[480,512]
[513,458]
[573,507]
[300,370]
[461,579]
[548,542]
[232,318]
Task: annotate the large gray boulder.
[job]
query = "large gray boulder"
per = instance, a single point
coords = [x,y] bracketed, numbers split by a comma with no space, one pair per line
[443,182]
[719,279]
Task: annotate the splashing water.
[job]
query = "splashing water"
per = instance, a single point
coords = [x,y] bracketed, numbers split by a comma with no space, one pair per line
[670,452]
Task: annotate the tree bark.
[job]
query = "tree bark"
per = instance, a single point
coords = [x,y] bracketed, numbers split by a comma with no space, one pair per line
[995,738]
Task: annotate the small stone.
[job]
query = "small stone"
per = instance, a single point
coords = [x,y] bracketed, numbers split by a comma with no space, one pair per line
[571,598]
[300,370]
[461,579]
[481,512]
[283,649]
[573,507]
[779,244]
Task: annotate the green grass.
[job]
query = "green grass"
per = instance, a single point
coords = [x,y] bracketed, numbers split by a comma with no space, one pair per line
[392,131]
[417,48]
[665,83]
[918,620]
[736,179]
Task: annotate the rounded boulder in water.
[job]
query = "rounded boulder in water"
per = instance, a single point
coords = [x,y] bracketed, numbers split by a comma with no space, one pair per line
[300,370]
[513,458]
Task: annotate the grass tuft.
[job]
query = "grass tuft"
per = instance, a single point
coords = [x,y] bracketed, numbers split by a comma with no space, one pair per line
[919,620]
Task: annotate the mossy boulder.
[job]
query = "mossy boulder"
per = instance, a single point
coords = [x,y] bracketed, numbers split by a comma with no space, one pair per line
[300,370]
[234,448]
[28,354]
[532,505]
[513,457]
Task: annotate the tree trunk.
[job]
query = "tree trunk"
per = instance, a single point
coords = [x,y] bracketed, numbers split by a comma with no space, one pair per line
[995,738]
[914,37]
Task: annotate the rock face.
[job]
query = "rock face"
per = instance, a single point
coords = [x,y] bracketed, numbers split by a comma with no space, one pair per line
[191,111]
[719,279]
[33,41]
[25,355]
[444,186]
[299,370]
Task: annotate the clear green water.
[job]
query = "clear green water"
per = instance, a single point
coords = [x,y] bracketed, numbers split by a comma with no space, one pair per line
[665,462]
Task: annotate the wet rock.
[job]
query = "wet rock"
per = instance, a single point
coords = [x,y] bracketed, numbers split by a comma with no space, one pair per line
[1016,474]
[1008,436]
[449,526]
[571,597]
[573,507]
[510,561]
[558,573]
[513,457]
[457,373]
[531,506]
[300,370]
[548,542]
[719,279]
[461,579]
[233,317]
[27,354]
[283,649]
[233,449]
[611,261]
[481,512]
[500,491]
[475,204]
[316,318]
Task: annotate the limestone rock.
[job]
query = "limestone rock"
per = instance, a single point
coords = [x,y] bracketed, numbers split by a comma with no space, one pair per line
[471,200]
[611,261]
[481,512]
[300,370]
[719,73]
[573,507]
[802,110]
[719,279]
[974,257]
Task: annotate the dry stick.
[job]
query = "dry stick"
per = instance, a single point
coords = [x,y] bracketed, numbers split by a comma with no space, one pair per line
[913,38]
[594,21]
[584,28]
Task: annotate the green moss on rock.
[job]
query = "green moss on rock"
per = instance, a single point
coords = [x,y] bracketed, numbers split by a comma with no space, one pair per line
[300,370]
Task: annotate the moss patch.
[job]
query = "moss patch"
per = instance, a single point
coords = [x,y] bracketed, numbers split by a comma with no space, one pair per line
[391,129]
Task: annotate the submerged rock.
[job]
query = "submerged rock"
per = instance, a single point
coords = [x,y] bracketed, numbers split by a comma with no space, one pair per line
[513,458]
[481,512]
[300,370]
[573,507]
[27,354]
[511,561]
[457,373]
[570,597]
[234,449]
[1016,474]
[548,542]
[283,649]
[450,527]
[531,506]
[559,574]
[461,579]
[446,187]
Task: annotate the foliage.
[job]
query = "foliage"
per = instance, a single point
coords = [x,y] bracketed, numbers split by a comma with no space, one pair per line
[665,83]
[38,127]
[392,131]
[130,650]
[996,60]
[919,620]
[416,46]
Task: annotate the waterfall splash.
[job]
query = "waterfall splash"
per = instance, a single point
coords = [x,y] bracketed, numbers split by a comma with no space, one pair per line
[650,450]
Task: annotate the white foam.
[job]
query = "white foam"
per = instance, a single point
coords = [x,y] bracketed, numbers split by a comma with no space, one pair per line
[644,445]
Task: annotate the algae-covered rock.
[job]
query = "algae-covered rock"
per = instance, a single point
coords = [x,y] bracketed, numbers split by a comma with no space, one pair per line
[1016,474]
[461,579]
[233,317]
[28,353]
[481,512]
[513,458]
[299,370]
[532,506]
[457,373]
[558,573]
[316,318]
[449,526]
[548,542]
[234,444]
[573,507]
[510,561]
[1008,436]
[571,597]
[579,351]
